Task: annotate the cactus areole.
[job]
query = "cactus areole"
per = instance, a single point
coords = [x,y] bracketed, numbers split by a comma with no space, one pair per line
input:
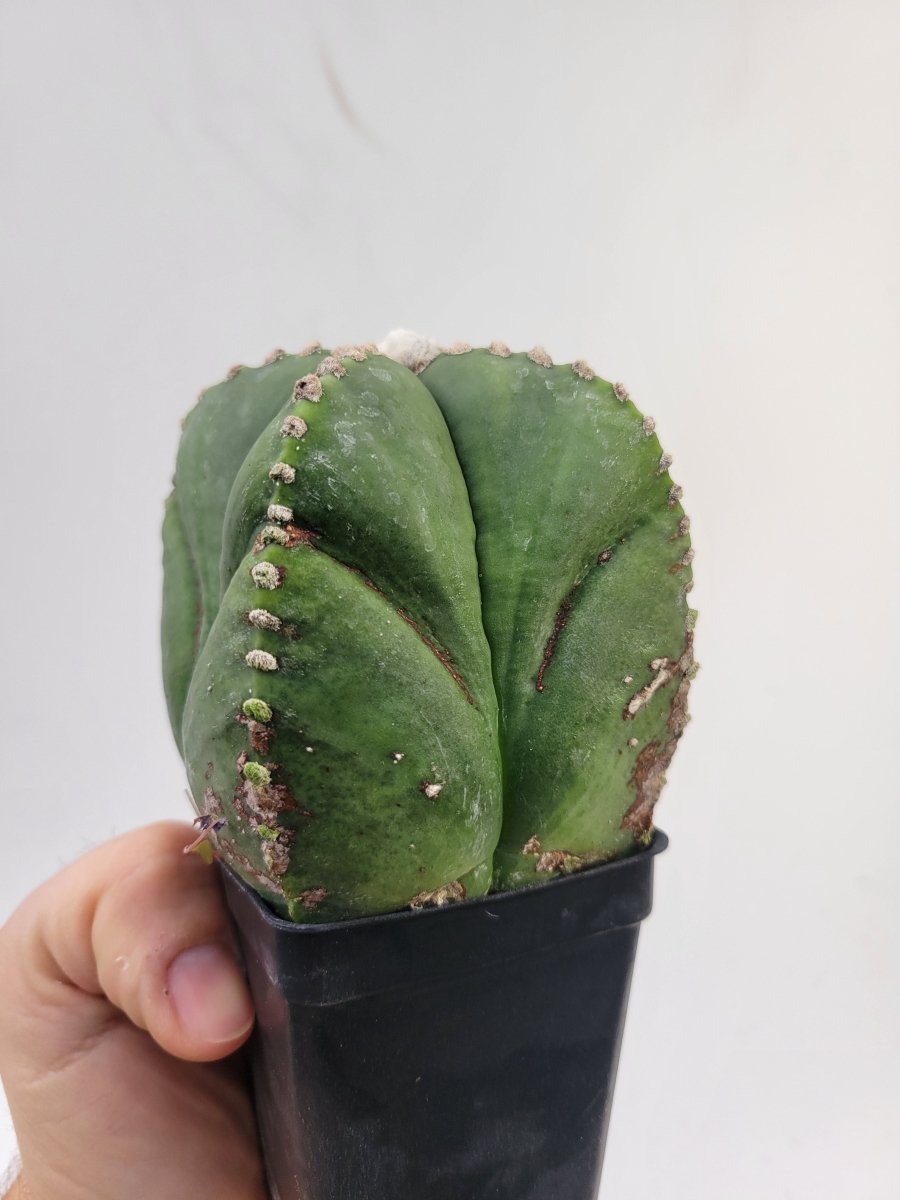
[425,623]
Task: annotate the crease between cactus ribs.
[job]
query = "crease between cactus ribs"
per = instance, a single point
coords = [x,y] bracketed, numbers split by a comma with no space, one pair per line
[294,537]
[441,655]
[532,548]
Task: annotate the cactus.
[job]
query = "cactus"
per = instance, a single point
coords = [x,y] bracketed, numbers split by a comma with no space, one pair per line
[425,625]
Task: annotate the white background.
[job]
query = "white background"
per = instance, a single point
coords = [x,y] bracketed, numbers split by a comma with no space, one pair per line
[701,197]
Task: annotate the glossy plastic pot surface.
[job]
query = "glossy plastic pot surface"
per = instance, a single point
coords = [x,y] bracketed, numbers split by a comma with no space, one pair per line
[460,1053]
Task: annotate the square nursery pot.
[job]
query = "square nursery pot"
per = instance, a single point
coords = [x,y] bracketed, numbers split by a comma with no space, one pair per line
[459,1053]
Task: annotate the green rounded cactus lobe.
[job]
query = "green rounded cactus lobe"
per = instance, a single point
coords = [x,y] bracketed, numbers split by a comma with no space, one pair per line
[425,627]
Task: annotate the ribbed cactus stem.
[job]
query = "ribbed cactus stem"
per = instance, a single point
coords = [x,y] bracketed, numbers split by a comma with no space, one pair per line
[444,642]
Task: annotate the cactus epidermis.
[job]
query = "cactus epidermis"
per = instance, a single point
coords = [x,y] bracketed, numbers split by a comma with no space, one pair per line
[425,622]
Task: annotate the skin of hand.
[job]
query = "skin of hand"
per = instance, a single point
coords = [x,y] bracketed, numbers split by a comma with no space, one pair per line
[123,1006]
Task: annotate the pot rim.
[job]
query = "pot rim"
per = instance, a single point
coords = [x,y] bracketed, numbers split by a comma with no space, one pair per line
[322,928]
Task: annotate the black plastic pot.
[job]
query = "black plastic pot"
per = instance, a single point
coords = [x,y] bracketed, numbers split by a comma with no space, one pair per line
[461,1053]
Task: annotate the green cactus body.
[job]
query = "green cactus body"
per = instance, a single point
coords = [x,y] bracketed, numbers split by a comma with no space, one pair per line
[584,555]
[425,631]
[347,602]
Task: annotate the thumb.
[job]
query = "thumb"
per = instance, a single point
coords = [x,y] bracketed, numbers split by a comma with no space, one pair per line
[137,926]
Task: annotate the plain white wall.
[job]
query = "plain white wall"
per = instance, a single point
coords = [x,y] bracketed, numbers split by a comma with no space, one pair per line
[699,196]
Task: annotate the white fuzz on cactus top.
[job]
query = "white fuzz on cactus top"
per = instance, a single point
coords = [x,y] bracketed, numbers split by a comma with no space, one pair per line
[410,349]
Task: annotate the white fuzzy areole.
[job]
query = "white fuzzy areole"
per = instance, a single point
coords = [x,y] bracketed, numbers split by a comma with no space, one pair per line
[263,619]
[280,512]
[283,471]
[266,575]
[261,660]
[274,533]
[294,427]
[411,349]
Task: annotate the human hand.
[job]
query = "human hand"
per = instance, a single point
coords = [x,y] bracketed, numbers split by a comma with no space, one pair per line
[122,1006]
